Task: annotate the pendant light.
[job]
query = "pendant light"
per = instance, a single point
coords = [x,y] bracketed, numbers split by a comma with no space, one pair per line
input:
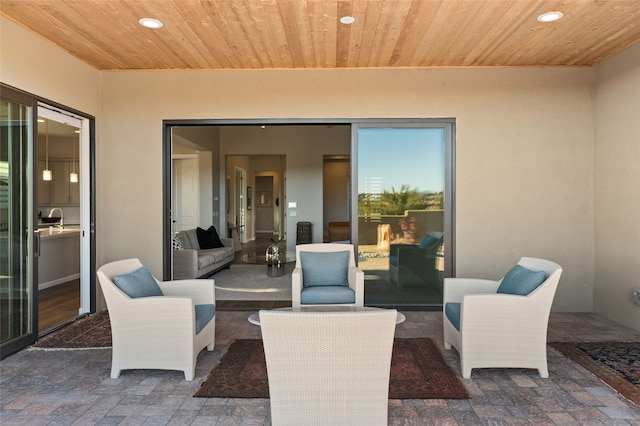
[73,177]
[46,173]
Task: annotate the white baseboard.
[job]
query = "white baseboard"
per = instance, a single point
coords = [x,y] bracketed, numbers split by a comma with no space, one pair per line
[62,280]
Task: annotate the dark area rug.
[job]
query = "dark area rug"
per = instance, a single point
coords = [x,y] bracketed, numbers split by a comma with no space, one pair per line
[92,331]
[418,371]
[615,363]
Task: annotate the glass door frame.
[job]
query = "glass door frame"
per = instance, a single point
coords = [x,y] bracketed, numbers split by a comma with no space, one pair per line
[448,124]
[30,274]
[355,123]
[89,182]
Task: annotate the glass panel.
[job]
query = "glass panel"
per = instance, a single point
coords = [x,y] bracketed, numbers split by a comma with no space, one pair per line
[58,202]
[16,293]
[401,188]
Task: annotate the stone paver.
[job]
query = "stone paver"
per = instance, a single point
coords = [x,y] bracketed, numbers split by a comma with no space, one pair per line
[39,387]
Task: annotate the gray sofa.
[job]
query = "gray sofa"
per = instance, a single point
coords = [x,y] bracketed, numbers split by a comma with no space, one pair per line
[193,262]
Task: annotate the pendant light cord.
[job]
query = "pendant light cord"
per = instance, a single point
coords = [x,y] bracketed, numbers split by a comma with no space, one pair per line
[47,145]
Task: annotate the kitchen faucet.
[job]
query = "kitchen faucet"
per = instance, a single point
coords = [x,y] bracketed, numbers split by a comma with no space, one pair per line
[61,215]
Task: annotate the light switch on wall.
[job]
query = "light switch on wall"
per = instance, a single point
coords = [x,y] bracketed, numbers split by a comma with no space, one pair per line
[292,213]
[293,205]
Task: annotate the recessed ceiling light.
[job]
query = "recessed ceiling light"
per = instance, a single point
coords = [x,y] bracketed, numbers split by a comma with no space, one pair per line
[150,23]
[550,16]
[347,20]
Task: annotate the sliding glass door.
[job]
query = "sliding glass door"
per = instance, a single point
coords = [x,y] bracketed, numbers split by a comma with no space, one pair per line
[17,261]
[46,279]
[404,211]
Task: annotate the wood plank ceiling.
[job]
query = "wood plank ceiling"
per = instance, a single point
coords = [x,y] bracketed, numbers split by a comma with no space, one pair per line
[285,34]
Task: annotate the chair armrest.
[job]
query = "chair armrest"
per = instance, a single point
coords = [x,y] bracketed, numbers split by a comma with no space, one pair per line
[296,287]
[185,263]
[227,242]
[356,283]
[201,291]
[162,317]
[456,288]
[504,315]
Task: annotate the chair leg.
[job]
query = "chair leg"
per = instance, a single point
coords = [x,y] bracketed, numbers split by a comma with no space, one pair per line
[544,372]
[466,371]
[190,374]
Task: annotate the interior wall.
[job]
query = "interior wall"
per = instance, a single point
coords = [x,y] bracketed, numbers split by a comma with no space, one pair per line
[617,175]
[204,142]
[335,183]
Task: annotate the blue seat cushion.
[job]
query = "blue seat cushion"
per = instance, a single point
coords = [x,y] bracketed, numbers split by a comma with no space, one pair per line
[521,281]
[139,283]
[430,239]
[325,268]
[452,311]
[328,294]
[204,314]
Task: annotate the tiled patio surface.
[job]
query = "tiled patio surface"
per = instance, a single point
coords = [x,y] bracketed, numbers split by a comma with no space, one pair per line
[41,387]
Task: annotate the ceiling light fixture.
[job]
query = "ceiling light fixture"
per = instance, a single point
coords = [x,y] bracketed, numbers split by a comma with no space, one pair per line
[151,23]
[347,20]
[550,16]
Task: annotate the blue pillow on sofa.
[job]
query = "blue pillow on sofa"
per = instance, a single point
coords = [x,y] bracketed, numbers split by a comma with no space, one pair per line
[521,281]
[139,283]
[324,268]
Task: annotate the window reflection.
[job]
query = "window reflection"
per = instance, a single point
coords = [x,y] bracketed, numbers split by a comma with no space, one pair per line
[401,193]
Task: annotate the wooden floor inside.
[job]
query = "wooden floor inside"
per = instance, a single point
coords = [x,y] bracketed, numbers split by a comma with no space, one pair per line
[61,303]
[58,304]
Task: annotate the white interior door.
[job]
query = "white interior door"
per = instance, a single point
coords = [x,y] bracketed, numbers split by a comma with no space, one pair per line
[186,193]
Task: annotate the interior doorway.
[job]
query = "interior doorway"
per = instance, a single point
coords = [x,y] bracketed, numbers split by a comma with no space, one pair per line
[186,192]
[62,203]
[255,197]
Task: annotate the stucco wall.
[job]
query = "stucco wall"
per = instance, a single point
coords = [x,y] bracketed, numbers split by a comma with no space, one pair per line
[31,64]
[524,148]
[617,192]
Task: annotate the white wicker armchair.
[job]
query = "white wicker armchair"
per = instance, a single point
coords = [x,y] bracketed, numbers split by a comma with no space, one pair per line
[156,332]
[355,275]
[501,330]
[328,368]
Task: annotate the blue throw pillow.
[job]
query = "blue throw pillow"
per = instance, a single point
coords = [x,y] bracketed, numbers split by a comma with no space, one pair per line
[324,268]
[521,281]
[139,283]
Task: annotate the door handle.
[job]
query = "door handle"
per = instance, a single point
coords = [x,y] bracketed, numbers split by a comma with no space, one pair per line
[36,242]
